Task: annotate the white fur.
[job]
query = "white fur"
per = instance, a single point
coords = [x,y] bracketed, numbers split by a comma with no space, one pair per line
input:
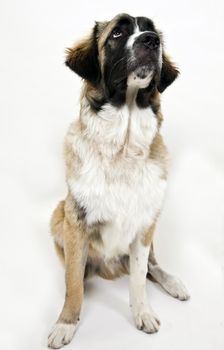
[132,37]
[170,283]
[144,317]
[61,335]
[134,81]
[118,185]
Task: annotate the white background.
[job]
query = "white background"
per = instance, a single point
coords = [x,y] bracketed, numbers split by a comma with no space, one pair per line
[39,98]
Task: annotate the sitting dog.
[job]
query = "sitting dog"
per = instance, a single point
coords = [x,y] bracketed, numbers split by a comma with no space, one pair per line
[116,169]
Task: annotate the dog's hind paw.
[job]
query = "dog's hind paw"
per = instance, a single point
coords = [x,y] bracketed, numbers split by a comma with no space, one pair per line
[176,288]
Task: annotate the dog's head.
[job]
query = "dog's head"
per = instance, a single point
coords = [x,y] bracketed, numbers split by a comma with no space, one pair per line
[124,51]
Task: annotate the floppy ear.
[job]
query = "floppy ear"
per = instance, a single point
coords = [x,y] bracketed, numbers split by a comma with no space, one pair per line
[83,58]
[168,73]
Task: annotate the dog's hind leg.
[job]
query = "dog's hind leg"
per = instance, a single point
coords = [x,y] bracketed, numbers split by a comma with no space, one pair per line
[169,283]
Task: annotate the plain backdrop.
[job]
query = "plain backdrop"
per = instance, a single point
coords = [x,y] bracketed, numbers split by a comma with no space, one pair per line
[38,99]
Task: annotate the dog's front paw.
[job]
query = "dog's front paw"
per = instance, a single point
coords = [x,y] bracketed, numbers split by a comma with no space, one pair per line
[61,334]
[147,321]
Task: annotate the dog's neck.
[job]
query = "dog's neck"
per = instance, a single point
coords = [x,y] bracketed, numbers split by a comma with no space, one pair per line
[127,129]
[136,85]
[129,92]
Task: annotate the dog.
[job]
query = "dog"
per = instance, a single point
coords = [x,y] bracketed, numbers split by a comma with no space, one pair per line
[116,169]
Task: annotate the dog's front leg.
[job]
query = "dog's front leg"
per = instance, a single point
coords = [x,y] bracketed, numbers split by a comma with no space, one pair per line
[144,317]
[75,249]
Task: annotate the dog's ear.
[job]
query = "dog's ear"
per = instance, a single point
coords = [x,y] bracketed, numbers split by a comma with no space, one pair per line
[83,58]
[169,73]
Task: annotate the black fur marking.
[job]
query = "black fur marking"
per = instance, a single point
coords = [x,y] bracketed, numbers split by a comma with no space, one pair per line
[143,96]
[116,94]
[115,69]
[145,24]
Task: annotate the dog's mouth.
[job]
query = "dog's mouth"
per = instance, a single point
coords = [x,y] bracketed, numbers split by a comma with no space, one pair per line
[140,77]
[143,71]
[143,65]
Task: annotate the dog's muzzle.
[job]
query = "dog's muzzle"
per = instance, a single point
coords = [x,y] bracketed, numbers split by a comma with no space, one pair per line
[146,47]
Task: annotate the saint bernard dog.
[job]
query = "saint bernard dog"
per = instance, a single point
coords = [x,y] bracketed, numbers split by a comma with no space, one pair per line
[116,169]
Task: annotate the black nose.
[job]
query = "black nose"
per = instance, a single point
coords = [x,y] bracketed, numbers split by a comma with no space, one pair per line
[150,40]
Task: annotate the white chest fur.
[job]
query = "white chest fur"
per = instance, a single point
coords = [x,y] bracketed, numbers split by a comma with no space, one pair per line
[118,183]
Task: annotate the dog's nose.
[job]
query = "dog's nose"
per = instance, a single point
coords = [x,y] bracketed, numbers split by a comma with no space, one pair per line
[150,40]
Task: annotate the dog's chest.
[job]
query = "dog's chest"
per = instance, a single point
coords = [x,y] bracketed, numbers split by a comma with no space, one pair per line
[123,190]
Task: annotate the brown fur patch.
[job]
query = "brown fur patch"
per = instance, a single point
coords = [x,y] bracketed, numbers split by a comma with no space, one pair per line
[159,153]
[66,225]
[79,50]
[148,236]
[92,94]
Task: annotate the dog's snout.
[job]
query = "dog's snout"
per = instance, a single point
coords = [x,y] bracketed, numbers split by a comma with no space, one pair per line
[149,40]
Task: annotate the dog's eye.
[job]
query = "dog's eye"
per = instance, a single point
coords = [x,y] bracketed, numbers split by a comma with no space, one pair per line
[117,33]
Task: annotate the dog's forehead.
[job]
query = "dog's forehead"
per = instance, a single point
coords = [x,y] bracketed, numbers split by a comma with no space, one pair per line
[144,24]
